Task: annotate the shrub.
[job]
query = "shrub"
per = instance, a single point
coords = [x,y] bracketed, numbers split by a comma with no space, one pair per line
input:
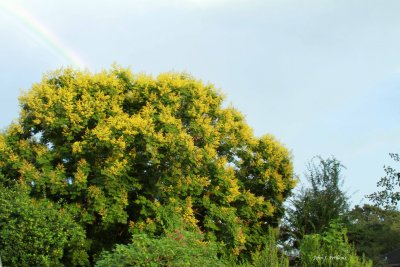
[330,249]
[179,248]
[270,256]
[37,233]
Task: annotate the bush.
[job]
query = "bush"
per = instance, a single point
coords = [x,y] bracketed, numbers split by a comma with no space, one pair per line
[180,248]
[330,249]
[184,248]
[270,256]
[36,233]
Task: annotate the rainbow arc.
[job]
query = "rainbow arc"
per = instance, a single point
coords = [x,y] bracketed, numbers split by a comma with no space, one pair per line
[42,33]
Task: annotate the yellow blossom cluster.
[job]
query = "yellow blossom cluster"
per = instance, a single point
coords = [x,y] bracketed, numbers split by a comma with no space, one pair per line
[133,148]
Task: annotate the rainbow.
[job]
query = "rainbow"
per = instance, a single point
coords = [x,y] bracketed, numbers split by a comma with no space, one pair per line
[42,33]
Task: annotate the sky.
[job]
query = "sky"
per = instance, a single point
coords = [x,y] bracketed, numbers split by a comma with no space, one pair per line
[322,76]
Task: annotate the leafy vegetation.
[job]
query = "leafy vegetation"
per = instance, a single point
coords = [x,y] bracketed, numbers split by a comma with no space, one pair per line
[117,169]
[374,231]
[38,232]
[182,248]
[330,249]
[270,255]
[389,197]
[314,208]
[123,153]
[174,249]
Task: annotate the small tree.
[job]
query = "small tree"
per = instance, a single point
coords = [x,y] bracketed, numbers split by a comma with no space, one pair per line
[315,207]
[389,197]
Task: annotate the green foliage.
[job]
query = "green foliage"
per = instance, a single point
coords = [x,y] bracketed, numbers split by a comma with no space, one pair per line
[187,248]
[270,256]
[389,197]
[374,231]
[37,233]
[315,207]
[122,153]
[330,249]
[179,248]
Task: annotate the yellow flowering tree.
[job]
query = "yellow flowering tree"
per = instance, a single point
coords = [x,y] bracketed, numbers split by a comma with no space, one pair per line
[129,153]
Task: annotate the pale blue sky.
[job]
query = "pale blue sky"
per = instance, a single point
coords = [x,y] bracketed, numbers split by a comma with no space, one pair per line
[322,76]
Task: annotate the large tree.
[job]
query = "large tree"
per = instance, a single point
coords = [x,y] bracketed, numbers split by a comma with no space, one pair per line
[315,207]
[128,154]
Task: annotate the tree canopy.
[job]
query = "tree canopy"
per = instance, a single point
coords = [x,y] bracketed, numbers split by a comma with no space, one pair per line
[389,197]
[128,154]
[315,207]
[374,231]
